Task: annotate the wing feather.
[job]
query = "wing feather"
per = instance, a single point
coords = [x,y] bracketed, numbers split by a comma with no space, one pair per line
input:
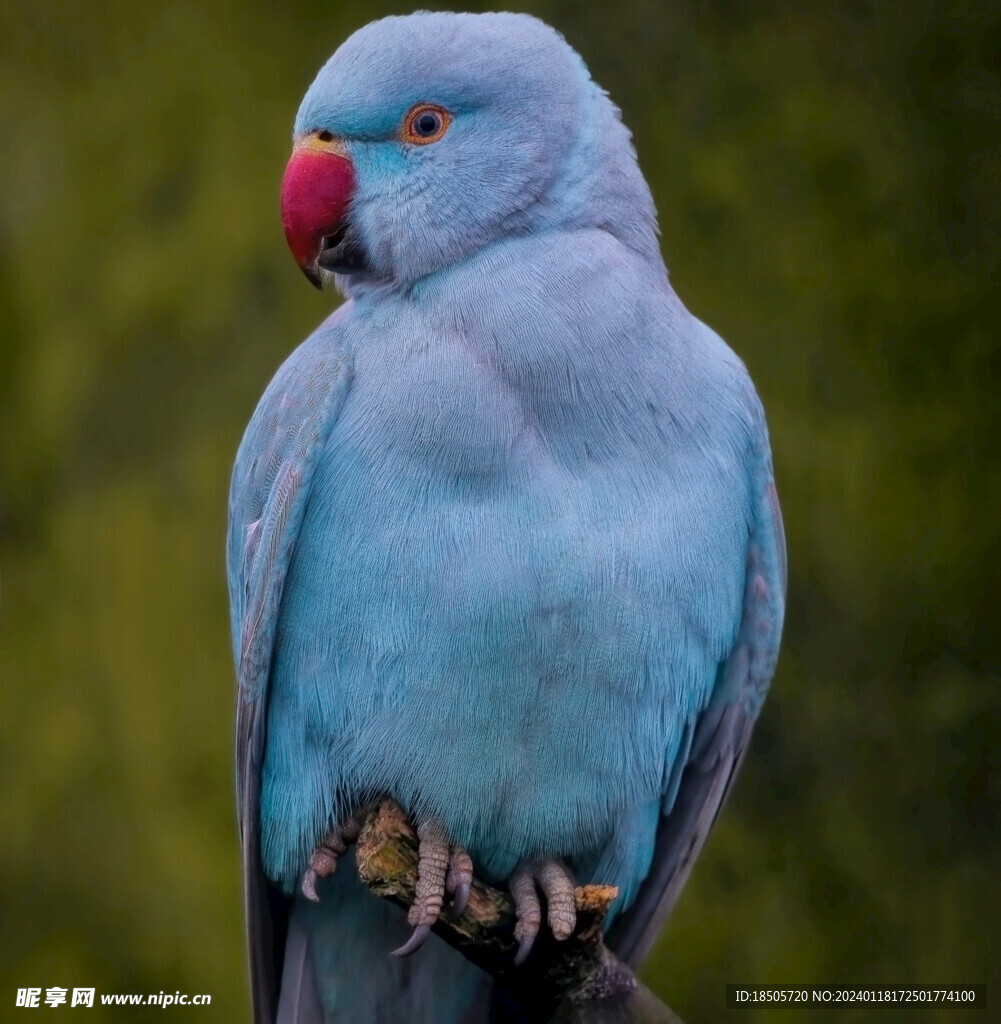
[268,498]
[722,730]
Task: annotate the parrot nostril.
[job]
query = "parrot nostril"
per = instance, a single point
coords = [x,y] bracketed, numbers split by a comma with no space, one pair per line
[325,136]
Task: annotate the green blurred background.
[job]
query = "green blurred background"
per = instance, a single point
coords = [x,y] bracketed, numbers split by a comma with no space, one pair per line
[827,178]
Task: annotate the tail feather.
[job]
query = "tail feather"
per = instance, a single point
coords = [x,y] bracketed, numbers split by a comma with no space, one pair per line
[299,999]
[338,968]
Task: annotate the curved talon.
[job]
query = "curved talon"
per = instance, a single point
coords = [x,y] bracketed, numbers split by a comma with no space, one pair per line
[461,898]
[414,943]
[440,868]
[528,912]
[429,892]
[308,885]
[459,878]
[556,883]
[524,948]
[323,862]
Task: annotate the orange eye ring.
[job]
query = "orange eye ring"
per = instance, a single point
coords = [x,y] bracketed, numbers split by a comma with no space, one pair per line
[425,123]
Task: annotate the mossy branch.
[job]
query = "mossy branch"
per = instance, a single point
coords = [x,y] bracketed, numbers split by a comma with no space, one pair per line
[577,981]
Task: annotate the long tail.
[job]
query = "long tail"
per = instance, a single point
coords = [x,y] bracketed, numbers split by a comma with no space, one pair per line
[338,968]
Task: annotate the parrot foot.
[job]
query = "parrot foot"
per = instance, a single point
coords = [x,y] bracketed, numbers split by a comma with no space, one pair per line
[556,883]
[323,862]
[441,868]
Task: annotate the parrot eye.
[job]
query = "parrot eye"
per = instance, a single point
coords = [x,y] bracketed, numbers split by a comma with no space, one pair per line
[426,123]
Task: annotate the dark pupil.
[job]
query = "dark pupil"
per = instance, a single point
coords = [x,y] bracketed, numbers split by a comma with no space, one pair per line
[427,124]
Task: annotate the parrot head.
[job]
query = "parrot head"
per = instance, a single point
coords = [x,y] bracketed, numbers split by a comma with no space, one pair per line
[426,138]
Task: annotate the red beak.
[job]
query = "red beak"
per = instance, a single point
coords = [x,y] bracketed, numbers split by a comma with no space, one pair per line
[316,192]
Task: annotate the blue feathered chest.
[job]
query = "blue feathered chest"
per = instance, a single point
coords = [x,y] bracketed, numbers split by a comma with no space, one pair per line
[516,575]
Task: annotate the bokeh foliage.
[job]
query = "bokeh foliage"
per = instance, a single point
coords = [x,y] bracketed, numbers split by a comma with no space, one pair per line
[827,180]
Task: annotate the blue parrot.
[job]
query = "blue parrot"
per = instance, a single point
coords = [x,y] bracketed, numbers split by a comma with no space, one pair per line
[504,542]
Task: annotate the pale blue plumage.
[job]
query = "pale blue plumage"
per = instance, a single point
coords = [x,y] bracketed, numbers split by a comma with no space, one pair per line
[504,541]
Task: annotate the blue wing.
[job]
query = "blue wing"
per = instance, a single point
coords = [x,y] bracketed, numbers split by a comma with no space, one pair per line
[714,745]
[268,497]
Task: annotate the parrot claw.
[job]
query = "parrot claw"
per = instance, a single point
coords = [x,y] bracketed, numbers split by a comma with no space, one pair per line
[441,868]
[527,909]
[460,899]
[459,878]
[524,948]
[323,862]
[308,885]
[414,943]
[557,885]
